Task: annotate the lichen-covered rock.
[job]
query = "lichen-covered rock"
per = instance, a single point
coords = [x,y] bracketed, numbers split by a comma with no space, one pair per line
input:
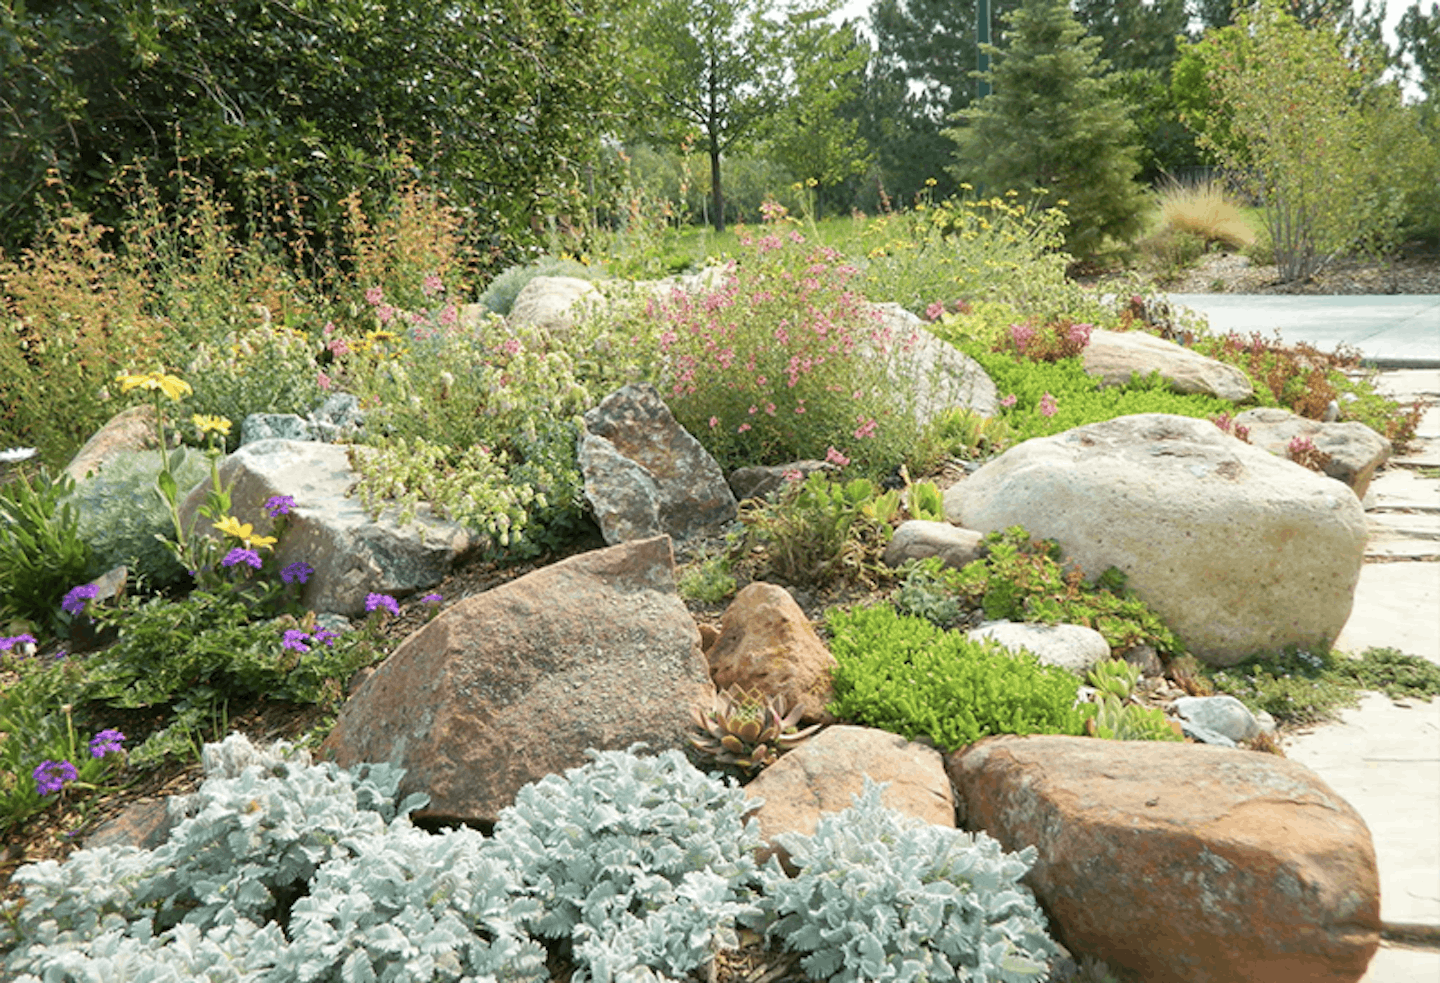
[506,687]
[1182,863]
[645,475]
[1238,551]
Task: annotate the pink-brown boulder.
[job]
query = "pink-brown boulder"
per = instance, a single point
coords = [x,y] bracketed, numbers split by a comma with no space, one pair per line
[767,643]
[508,686]
[1182,863]
[825,773]
[128,430]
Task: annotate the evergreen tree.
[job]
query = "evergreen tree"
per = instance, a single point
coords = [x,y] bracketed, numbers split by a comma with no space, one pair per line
[1053,122]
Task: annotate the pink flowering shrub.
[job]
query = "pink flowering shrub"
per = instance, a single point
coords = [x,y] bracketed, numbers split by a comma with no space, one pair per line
[784,361]
[1050,342]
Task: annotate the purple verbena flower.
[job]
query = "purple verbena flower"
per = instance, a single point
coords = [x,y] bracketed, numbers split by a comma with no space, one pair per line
[108,741]
[278,505]
[238,556]
[324,635]
[73,603]
[297,573]
[295,639]
[375,601]
[6,644]
[52,776]
[431,599]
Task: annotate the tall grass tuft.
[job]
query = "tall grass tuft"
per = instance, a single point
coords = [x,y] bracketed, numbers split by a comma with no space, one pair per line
[1205,210]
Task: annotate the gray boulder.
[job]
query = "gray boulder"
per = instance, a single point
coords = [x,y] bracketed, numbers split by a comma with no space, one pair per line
[351,554]
[1224,716]
[645,475]
[1114,355]
[933,374]
[918,539]
[554,304]
[1237,551]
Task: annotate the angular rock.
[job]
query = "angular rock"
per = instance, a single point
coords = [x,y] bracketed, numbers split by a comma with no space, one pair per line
[273,426]
[1071,647]
[934,374]
[1182,863]
[767,643]
[1113,355]
[554,304]
[761,480]
[645,474]
[1355,451]
[352,556]
[1223,715]
[1237,551]
[128,430]
[339,416]
[144,823]
[508,686]
[918,539]
[825,773]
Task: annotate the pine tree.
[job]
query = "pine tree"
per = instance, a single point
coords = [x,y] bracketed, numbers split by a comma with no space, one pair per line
[1053,122]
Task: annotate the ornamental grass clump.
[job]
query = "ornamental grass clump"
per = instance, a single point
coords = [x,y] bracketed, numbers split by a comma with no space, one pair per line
[784,360]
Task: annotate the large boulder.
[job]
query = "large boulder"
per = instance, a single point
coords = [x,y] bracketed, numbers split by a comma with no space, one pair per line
[1353,449]
[554,304]
[1182,863]
[351,554]
[1114,355]
[1238,551]
[508,686]
[767,643]
[826,772]
[645,475]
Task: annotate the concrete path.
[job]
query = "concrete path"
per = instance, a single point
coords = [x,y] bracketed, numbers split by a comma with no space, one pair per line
[1384,756]
[1393,331]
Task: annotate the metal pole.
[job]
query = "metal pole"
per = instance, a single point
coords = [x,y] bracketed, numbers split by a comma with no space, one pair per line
[982,38]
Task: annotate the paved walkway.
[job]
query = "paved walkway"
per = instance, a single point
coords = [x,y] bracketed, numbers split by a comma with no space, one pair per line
[1392,331]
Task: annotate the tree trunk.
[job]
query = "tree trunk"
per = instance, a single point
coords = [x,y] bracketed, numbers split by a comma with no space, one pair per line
[716,192]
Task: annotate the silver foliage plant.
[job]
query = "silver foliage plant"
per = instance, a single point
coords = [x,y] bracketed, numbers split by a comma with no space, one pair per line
[881,896]
[282,871]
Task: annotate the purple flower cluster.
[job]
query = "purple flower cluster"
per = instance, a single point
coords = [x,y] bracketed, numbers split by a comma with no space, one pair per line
[296,638]
[25,638]
[52,776]
[75,599]
[238,556]
[108,741]
[296,573]
[374,602]
[278,505]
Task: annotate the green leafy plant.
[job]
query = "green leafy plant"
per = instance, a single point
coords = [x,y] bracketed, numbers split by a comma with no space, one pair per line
[884,896]
[42,553]
[269,368]
[707,579]
[1294,686]
[966,434]
[1114,677]
[931,591]
[747,729]
[1392,672]
[1117,720]
[817,529]
[904,675]
[1022,579]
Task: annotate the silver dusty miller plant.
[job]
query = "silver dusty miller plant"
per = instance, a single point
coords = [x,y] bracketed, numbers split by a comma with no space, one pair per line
[881,896]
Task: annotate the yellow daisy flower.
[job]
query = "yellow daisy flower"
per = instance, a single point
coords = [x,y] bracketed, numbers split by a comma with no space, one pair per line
[172,386]
[211,424]
[231,526]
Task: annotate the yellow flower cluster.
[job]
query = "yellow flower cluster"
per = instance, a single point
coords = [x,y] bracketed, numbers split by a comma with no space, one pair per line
[245,532]
[172,386]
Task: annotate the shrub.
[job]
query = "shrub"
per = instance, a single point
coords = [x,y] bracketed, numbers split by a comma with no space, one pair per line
[122,512]
[1294,687]
[262,369]
[904,675]
[1393,673]
[783,361]
[883,896]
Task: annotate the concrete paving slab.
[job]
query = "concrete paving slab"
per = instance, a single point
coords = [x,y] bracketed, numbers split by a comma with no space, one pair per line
[1389,330]
[1409,384]
[1402,964]
[1396,605]
[1412,524]
[1385,761]
[1395,487]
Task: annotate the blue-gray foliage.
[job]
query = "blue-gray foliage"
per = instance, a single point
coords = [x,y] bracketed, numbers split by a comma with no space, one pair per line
[881,896]
[641,862]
